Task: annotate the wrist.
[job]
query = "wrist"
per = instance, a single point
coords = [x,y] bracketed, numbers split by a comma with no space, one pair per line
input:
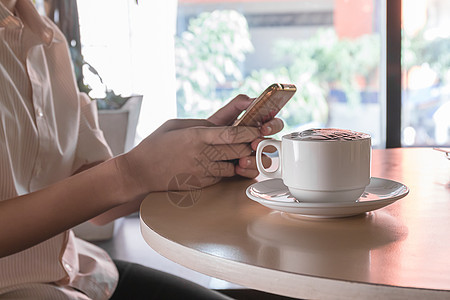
[108,183]
[131,187]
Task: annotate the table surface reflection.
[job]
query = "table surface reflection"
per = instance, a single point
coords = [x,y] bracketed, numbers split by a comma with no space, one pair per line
[400,251]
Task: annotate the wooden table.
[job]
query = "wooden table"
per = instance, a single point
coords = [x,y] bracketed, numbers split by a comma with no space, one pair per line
[401,251]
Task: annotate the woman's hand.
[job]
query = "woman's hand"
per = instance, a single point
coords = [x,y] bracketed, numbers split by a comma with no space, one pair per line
[228,114]
[204,149]
[190,147]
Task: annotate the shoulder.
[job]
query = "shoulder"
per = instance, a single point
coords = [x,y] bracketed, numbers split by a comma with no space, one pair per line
[58,36]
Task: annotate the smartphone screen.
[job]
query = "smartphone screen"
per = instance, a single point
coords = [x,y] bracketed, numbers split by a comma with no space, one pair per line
[267,105]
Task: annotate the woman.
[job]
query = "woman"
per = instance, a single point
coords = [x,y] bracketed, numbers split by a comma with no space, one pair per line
[57,170]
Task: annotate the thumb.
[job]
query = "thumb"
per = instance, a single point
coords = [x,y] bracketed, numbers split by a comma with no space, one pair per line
[227,114]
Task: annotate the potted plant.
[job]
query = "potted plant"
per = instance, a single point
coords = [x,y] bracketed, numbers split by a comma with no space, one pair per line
[118,115]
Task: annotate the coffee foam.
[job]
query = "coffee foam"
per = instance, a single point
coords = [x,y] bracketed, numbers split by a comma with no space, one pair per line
[328,134]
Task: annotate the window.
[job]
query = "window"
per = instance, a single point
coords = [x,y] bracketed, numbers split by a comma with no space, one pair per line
[188,57]
[426,73]
[132,47]
[331,50]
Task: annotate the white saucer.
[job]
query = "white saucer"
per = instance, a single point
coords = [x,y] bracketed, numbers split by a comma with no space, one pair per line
[274,194]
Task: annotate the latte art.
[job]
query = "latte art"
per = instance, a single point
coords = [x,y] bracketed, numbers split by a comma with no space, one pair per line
[328,134]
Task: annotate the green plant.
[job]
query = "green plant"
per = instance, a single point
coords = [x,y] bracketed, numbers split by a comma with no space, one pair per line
[333,62]
[316,66]
[111,100]
[209,53]
[208,56]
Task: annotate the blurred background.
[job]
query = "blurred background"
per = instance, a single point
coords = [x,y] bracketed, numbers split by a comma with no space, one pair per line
[189,57]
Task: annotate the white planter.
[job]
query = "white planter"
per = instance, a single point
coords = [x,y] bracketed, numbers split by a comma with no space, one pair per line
[119,125]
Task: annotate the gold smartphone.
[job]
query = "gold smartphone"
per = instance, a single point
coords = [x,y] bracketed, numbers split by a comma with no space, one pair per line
[267,105]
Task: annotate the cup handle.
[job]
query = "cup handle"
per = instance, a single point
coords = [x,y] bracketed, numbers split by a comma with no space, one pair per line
[261,169]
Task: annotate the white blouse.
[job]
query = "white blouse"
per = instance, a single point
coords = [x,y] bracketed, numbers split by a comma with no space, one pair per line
[47,131]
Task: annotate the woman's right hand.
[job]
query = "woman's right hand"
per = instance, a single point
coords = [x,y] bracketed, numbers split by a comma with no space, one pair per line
[185,146]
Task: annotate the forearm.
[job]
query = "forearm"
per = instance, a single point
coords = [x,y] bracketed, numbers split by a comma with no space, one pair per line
[87,166]
[32,218]
[117,212]
[177,147]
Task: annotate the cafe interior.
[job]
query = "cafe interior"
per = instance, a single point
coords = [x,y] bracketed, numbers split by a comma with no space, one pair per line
[381,67]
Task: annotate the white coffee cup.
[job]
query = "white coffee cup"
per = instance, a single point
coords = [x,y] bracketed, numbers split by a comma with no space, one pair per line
[321,165]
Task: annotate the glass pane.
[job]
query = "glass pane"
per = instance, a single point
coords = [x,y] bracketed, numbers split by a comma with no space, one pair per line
[330,49]
[426,73]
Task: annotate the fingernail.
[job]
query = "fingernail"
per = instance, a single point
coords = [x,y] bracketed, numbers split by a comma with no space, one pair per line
[248,162]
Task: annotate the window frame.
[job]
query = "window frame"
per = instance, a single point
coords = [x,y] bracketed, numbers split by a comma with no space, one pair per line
[393,73]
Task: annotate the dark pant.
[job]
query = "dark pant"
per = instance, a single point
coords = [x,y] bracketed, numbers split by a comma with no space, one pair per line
[139,282]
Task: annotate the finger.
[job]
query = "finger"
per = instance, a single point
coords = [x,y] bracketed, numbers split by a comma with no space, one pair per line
[272,127]
[249,173]
[250,162]
[255,143]
[247,166]
[213,153]
[228,134]
[227,114]
[268,149]
[217,169]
